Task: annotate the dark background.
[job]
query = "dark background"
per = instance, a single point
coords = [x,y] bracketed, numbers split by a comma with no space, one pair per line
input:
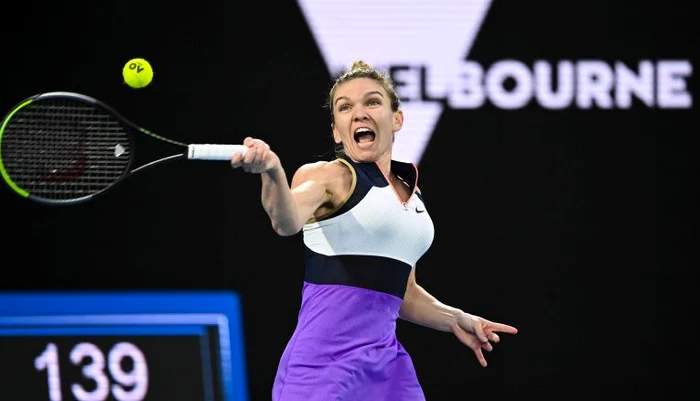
[573,225]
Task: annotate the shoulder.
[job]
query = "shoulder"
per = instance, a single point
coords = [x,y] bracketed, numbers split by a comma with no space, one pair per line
[322,170]
[337,178]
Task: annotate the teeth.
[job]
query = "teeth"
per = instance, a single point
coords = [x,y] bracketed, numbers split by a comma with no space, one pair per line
[360,133]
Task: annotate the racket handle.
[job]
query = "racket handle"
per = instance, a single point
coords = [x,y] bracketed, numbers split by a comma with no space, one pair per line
[213,152]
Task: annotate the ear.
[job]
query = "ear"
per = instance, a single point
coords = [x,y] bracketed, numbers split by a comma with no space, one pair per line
[398,120]
[336,135]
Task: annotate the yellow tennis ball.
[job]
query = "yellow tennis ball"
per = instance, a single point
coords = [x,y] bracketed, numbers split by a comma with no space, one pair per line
[137,73]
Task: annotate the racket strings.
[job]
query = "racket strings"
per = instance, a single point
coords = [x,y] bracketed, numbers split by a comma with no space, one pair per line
[64,149]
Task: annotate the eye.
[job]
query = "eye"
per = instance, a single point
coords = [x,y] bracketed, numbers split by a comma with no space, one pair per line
[343,107]
[374,102]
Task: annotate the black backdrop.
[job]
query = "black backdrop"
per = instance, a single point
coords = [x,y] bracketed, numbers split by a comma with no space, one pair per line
[574,225]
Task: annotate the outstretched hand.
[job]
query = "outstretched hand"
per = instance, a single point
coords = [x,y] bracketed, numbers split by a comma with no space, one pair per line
[258,159]
[478,334]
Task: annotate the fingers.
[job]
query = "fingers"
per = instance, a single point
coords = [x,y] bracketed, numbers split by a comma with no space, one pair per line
[254,159]
[480,357]
[473,323]
[479,332]
[467,339]
[503,328]
[236,160]
[492,328]
[471,341]
[249,158]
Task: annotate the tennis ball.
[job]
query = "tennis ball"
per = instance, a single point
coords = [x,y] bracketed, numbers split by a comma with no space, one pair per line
[137,73]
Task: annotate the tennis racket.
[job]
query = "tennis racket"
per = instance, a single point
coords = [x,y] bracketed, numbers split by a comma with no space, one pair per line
[61,148]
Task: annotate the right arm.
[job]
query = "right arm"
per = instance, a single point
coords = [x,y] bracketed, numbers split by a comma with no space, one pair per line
[288,206]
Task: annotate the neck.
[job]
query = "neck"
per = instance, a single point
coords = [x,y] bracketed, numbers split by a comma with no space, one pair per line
[384,163]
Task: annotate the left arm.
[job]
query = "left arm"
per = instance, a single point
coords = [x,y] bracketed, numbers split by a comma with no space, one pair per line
[421,308]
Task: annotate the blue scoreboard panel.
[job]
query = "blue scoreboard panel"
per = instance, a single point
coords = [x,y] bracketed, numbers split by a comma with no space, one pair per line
[122,346]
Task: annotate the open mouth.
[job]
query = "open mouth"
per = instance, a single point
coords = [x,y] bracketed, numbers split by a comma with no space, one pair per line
[364,135]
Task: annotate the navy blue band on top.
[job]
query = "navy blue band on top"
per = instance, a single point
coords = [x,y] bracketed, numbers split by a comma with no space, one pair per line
[370,272]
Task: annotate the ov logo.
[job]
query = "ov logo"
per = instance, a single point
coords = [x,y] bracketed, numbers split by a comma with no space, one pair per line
[136,66]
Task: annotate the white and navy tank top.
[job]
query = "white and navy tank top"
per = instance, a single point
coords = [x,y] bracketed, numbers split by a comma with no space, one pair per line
[373,239]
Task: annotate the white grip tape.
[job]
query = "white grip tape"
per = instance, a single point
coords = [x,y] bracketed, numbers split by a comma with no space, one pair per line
[213,152]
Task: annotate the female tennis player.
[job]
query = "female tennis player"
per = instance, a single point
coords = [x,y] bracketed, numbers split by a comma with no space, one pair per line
[364,226]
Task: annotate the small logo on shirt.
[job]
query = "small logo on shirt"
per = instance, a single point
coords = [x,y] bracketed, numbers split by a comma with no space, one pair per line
[420,209]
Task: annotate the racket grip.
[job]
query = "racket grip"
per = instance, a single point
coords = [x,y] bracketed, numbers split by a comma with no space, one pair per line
[213,151]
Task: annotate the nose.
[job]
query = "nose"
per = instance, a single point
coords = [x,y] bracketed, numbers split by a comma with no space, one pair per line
[360,114]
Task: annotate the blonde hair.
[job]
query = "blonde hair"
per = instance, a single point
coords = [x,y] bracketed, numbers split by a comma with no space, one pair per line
[360,69]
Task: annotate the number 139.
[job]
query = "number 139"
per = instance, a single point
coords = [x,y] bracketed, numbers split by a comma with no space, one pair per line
[136,379]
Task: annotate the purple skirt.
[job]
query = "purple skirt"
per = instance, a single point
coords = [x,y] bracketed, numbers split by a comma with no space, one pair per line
[345,348]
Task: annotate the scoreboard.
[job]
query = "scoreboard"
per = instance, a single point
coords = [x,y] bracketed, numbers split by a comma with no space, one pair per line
[122,346]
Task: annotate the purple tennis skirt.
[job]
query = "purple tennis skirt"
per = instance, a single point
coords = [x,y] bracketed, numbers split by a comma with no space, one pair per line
[345,348]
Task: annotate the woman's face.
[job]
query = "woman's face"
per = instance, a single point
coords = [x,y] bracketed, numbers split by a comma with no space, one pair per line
[364,121]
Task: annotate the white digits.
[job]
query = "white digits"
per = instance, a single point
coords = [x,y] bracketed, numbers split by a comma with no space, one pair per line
[137,377]
[49,360]
[93,370]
